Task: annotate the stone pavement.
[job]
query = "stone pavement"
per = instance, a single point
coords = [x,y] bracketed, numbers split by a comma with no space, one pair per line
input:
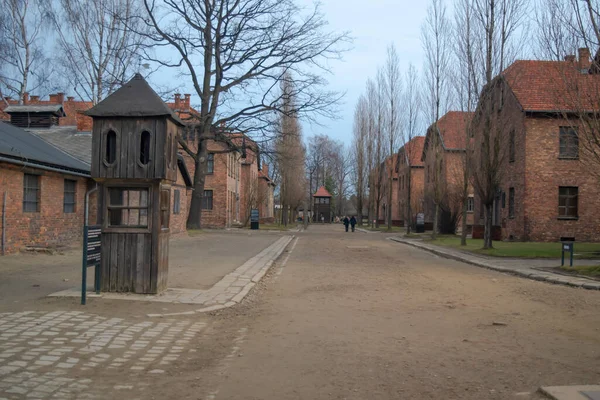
[520,267]
[584,392]
[62,355]
[229,291]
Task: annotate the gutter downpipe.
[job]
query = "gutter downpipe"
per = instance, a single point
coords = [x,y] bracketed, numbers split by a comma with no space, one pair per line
[4,222]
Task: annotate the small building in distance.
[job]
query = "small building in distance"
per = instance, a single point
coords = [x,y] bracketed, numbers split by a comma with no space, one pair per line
[322,205]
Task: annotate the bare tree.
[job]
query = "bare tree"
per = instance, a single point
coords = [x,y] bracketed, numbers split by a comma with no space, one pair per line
[235,53]
[554,28]
[378,109]
[412,111]
[499,21]
[436,43]
[393,84]
[290,155]
[468,76]
[23,62]
[359,154]
[99,44]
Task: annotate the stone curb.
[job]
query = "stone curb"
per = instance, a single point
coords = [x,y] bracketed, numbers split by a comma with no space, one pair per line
[529,274]
[271,254]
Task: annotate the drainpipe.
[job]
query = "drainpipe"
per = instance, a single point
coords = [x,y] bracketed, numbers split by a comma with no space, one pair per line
[4,222]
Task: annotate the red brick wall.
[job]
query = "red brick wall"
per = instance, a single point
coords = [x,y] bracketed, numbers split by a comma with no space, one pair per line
[536,174]
[545,172]
[49,227]
[417,177]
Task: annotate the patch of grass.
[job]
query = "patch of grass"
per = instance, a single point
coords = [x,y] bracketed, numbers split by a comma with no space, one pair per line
[587,270]
[384,228]
[276,227]
[518,249]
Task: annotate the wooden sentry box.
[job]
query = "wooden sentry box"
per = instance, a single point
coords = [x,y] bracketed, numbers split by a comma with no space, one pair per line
[134,159]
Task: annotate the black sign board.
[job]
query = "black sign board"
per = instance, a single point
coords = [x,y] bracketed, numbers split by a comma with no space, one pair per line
[93,240]
[254,216]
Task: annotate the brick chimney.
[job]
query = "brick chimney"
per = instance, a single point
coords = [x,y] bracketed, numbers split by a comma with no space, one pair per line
[177,100]
[25,98]
[35,99]
[585,61]
[265,169]
[61,97]
[70,98]
[186,103]
[570,58]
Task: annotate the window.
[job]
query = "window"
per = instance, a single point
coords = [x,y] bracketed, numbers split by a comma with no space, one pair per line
[110,154]
[69,196]
[127,207]
[176,202]
[169,151]
[210,164]
[569,142]
[31,193]
[207,200]
[567,201]
[165,200]
[511,202]
[145,148]
[511,155]
[470,204]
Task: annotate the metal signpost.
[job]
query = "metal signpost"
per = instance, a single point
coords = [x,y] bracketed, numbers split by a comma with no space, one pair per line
[254,219]
[91,250]
[567,246]
[420,228]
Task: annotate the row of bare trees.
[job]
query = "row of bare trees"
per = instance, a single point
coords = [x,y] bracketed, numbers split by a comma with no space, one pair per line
[85,47]
[235,54]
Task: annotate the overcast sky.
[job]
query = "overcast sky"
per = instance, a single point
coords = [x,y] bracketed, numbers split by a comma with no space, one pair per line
[374,24]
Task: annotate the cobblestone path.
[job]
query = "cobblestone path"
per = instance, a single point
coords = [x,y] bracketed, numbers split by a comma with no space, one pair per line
[63,355]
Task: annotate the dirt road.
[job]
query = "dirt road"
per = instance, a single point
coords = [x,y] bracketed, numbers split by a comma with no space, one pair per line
[354,316]
[340,316]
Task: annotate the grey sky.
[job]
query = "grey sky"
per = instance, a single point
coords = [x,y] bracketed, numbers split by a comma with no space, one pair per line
[374,25]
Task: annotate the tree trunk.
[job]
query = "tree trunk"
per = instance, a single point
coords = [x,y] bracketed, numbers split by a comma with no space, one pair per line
[408,220]
[359,206]
[389,210]
[487,234]
[377,205]
[194,220]
[436,216]
[463,233]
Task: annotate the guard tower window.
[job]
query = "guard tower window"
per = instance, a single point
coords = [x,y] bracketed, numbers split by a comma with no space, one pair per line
[111,147]
[128,207]
[165,198]
[145,148]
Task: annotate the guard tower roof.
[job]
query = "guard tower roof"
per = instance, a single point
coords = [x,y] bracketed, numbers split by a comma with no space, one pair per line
[134,99]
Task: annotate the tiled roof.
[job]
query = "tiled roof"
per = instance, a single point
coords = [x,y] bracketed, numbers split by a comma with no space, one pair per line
[452,127]
[415,149]
[26,148]
[66,138]
[322,192]
[134,99]
[36,108]
[553,86]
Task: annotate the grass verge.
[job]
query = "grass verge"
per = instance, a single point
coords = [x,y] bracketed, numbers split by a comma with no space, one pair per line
[587,270]
[518,249]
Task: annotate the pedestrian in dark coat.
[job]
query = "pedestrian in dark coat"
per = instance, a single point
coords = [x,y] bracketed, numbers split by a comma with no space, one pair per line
[353,222]
[346,223]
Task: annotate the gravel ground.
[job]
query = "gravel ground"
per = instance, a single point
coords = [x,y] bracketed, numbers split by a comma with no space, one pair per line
[355,316]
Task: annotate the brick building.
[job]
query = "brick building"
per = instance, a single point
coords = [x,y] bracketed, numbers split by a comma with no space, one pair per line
[547,191]
[232,185]
[410,166]
[390,165]
[42,191]
[444,158]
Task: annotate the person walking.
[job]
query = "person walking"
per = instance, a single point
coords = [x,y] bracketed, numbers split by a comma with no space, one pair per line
[346,223]
[353,222]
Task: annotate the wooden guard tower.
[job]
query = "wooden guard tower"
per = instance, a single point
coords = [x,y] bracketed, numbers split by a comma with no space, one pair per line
[322,201]
[134,159]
